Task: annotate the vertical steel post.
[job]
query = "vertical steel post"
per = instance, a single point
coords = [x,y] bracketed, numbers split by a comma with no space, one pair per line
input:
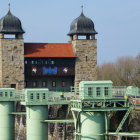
[36,129]
[106,126]
[7,121]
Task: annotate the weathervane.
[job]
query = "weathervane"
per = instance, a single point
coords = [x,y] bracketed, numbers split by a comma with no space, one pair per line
[9,6]
[82,8]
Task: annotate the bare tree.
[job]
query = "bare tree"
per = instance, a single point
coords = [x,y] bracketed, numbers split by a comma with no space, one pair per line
[125,71]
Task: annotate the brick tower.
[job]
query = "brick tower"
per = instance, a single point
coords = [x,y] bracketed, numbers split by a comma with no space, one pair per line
[82,36]
[11,52]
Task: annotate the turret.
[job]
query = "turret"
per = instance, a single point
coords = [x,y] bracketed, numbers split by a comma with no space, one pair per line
[82,26]
[11,52]
[10,25]
[85,48]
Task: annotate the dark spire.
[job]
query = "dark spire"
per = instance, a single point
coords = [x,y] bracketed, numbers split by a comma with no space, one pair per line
[82,14]
[9,12]
[82,8]
[9,6]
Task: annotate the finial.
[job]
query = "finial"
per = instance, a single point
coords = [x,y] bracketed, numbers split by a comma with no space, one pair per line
[9,6]
[82,8]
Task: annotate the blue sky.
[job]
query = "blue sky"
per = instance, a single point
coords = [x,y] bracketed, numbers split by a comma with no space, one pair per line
[116,21]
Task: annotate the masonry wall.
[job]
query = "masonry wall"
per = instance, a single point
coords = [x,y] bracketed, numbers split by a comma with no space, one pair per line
[12,63]
[86,61]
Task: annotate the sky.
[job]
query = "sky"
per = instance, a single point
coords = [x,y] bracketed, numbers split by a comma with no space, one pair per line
[116,21]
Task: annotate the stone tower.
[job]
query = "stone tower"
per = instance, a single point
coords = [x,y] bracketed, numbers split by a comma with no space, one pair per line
[82,36]
[11,52]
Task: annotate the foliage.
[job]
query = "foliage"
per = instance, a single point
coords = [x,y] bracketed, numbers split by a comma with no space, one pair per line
[124,72]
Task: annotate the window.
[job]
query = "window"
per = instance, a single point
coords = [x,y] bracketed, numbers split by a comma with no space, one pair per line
[32,97]
[34,84]
[32,62]
[25,84]
[63,84]
[9,36]
[54,84]
[52,62]
[44,97]
[6,94]
[15,47]
[11,94]
[13,85]
[46,62]
[98,91]
[44,84]
[12,58]
[86,58]
[26,62]
[89,91]
[106,91]
[37,96]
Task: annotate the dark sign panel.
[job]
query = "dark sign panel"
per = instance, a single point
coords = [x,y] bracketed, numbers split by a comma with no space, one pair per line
[49,70]
[35,70]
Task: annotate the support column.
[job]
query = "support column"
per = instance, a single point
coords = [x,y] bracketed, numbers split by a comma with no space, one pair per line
[106,126]
[36,129]
[92,125]
[7,121]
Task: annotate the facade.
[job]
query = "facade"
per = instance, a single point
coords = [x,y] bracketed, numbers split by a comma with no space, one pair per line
[51,67]
[56,66]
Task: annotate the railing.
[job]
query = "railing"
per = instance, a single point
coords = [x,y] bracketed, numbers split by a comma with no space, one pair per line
[20,95]
[49,97]
[117,92]
[56,96]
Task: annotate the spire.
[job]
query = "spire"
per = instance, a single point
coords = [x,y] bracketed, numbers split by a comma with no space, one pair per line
[82,8]
[9,6]
[82,14]
[9,12]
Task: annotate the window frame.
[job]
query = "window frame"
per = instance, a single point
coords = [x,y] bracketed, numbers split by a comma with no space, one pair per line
[53,83]
[35,83]
[98,91]
[63,84]
[44,83]
[106,90]
[90,91]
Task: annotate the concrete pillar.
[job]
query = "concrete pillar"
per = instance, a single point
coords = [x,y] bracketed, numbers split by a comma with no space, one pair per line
[36,129]
[7,121]
[70,38]
[75,37]
[93,37]
[1,35]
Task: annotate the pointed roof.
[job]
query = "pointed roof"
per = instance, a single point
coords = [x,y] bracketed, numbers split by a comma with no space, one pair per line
[10,24]
[82,25]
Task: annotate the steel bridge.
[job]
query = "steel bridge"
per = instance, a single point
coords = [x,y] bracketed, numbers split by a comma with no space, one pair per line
[91,102]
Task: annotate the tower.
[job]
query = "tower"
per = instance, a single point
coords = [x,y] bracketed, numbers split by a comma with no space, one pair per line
[11,52]
[82,36]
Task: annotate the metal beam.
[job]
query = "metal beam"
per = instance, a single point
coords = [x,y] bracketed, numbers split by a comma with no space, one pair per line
[59,121]
[18,113]
[127,134]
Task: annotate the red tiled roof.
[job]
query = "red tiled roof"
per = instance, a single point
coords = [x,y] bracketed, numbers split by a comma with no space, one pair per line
[48,50]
